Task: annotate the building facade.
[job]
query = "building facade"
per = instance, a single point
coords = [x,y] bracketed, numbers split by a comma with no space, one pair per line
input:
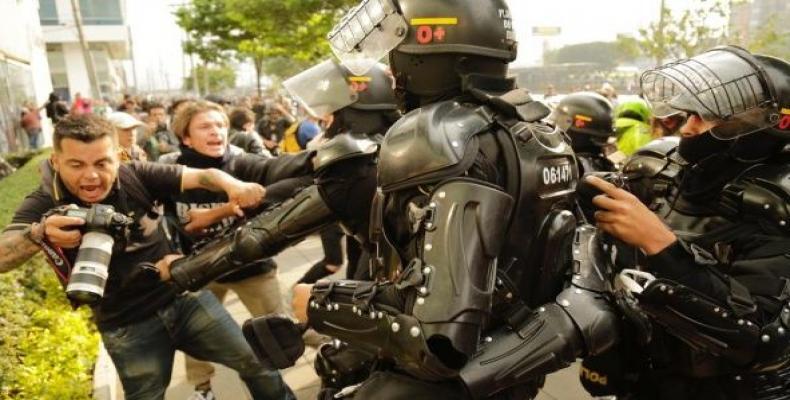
[107,36]
[24,70]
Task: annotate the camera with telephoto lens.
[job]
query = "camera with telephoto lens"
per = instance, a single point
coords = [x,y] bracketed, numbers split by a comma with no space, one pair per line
[103,227]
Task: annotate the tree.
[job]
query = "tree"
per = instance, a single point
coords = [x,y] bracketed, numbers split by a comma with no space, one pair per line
[218,78]
[264,31]
[698,27]
[295,29]
[210,35]
[771,40]
[607,54]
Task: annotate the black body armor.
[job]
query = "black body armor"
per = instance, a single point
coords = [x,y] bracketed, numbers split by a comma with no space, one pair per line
[474,212]
[732,324]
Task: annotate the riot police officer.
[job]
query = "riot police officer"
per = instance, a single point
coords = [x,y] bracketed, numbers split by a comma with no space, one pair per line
[587,119]
[472,218]
[718,292]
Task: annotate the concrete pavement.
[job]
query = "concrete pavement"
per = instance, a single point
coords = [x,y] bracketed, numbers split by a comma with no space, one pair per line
[302,379]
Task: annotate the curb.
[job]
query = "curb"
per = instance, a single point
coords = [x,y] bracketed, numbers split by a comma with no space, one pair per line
[105,379]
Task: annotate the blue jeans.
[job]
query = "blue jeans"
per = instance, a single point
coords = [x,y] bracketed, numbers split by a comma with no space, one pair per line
[197,324]
[34,138]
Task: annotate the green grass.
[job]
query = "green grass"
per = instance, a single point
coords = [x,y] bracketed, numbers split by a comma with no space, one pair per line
[46,349]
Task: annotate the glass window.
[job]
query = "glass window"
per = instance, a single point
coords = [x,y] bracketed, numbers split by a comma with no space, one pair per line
[16,87]
[57,70]
[101,12]
[7,134]
[48,12]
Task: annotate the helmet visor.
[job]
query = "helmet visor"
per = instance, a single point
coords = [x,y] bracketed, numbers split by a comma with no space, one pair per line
[322,89]
[718,86]
[367,33]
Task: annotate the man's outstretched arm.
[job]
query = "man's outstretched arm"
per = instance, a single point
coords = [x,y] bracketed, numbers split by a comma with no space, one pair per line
[16,247]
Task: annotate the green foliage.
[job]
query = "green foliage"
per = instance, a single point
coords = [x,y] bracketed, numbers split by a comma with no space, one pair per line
[211,35]
[677,35]
[20,158]
[15,187]
[219,78]
[288,28]
[607,54]
[771,39]
[262,30]
[47,350]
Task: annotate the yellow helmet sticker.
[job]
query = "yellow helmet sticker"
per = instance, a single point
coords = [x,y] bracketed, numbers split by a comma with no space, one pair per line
[434,21]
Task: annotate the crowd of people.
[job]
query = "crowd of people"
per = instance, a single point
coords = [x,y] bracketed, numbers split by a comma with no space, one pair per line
[491,238]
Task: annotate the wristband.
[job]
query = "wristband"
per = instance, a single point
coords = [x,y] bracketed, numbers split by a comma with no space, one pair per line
[35,232]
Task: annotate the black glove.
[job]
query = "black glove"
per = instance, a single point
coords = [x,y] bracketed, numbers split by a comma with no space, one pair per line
[276,341]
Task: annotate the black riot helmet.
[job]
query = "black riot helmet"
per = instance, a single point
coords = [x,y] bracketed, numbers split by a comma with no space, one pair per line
[586,117]
[432,44]
[360,103]
[743,93]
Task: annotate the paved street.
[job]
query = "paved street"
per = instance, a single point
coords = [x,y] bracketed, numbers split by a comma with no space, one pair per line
[293,263]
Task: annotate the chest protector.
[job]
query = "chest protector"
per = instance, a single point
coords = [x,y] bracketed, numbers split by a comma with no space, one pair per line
[534,166]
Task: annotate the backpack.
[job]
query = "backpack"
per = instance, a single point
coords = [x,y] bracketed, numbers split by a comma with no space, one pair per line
[290,142]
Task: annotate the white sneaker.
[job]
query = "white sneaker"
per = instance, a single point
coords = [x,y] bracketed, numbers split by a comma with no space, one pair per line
[202,395]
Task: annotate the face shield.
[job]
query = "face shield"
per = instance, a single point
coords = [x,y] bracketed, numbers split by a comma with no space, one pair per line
[719,86]
[322,89]
[367,33]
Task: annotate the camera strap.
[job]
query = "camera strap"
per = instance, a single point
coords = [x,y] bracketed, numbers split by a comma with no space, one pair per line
[57,260]
[55,257]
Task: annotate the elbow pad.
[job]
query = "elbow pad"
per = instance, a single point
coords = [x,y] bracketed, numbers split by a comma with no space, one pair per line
[464,234]
[581,322]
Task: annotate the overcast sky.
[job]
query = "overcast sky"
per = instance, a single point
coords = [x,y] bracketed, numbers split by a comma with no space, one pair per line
[159,61]
[579,20]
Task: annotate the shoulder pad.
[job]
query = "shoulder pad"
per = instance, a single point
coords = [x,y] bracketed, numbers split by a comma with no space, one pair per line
[429,143]
[343,147]
[653,158]
[524,107]
[763,192]
[516,103]
[661,146]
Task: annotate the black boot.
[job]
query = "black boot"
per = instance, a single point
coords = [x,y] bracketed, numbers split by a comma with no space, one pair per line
[315,273]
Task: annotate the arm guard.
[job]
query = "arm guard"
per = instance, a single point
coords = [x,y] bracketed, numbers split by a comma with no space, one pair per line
[361,314]
[710,327]
[263,236]
[581,322]
[447,292]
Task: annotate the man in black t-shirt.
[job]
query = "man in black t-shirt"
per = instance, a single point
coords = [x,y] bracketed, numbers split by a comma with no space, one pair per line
[142,321]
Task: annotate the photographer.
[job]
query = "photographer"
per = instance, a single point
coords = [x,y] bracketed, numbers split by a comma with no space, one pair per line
[718,242]
[142,321]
